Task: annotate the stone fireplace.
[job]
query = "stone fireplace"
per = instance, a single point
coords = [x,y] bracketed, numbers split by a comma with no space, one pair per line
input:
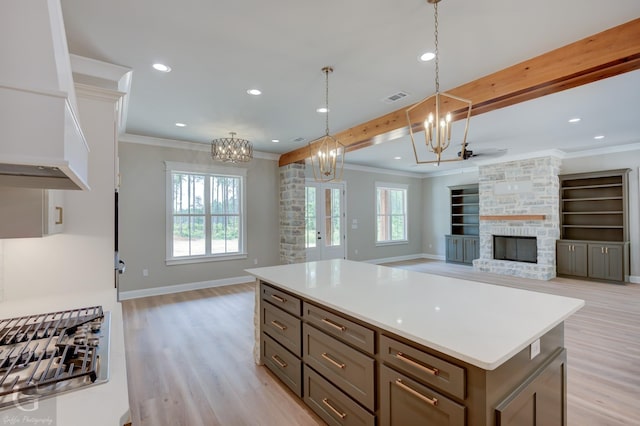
[520,199]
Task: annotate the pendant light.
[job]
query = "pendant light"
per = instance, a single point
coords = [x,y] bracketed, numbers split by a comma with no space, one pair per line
[435,114]
[327,154]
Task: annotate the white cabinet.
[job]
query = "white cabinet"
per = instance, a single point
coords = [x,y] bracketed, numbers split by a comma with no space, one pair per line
[26,212]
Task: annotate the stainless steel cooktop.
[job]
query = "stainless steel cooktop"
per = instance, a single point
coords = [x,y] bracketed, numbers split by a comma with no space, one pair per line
[45,355]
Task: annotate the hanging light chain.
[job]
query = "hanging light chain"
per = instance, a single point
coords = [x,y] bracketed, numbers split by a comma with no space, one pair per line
[326,70]
[435,33]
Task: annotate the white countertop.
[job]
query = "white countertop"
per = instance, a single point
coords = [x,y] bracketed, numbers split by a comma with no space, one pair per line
[481,324]
[105,404]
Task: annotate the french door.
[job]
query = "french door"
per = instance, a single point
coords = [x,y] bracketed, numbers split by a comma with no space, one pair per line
[325,233]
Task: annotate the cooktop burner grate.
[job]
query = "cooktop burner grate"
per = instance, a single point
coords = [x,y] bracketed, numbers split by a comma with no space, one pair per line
[45,354]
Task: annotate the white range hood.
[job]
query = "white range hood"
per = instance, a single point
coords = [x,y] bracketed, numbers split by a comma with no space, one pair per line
[41,141]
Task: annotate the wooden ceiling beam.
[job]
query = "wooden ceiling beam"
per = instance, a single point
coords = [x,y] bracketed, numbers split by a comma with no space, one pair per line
[606,54]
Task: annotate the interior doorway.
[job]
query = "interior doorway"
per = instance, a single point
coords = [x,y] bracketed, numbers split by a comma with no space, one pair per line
[325,233]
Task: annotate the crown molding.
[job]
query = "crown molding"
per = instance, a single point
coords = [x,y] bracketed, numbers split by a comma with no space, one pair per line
[604,150]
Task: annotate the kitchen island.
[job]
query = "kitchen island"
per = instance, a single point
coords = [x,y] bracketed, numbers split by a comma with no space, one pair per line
[368,344]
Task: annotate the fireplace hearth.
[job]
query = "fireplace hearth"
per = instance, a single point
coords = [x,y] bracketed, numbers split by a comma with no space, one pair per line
[516,249]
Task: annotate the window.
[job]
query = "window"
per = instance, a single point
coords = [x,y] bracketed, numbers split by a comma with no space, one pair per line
[205,213]
[391,213]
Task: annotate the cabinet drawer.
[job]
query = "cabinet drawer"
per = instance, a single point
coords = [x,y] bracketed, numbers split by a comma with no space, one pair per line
[331,404]
[281,299]
[347,368]
[282,363]
[403,401]
[348,331]
[283,327]
[427,368]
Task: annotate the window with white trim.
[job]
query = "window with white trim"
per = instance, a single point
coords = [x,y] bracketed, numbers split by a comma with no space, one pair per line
[205,213]
[391,213]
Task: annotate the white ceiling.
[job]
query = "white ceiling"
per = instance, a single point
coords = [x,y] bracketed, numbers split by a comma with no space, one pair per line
[219,49]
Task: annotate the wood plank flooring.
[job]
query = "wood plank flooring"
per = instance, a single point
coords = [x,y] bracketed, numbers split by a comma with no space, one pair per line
[190,355]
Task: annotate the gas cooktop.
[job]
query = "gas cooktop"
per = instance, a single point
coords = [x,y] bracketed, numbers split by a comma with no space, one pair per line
[45,355]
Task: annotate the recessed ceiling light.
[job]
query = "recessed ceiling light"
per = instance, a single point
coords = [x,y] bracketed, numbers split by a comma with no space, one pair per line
[275,140]
[322,110]
[161,67]
[574,120]
[599,137]
[427,56]
[254,92]
[181,125]
[397,158]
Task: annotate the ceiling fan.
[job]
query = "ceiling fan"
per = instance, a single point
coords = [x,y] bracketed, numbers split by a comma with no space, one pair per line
[491,152]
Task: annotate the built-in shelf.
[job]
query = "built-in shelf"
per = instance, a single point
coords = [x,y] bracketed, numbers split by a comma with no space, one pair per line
[463,245]
[594,228]
[514,217]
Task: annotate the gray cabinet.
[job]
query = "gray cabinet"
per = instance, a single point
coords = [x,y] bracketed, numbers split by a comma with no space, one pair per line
[536,402]
[353,373]
[31,212]
[606,261]
[462,248]
[594,225]
[404,401]
[571,258]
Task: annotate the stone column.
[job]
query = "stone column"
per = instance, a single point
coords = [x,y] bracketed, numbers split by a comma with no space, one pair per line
[292,196]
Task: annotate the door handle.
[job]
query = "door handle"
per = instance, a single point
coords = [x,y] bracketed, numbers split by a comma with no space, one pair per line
[319,237]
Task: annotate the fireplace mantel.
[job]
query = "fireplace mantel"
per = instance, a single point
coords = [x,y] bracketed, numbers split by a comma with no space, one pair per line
[513,217]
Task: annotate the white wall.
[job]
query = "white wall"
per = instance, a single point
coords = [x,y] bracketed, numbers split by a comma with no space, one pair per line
[142,241]
[80,259]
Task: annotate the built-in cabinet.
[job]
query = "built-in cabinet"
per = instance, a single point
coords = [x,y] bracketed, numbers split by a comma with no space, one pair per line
[594,225]
[350,372]
[30,212]
[463,245]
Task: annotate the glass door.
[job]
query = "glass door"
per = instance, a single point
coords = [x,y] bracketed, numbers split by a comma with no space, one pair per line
[325,236]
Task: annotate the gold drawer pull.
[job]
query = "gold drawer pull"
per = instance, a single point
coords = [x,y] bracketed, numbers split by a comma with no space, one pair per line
[432,401]
[278,298]
[433,371]
[59,219]
[333,324]
[278,325]
[332,361]
[279,361]
[326,402]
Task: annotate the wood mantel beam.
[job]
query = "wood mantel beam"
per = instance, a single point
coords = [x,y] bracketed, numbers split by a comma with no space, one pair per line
[606,54]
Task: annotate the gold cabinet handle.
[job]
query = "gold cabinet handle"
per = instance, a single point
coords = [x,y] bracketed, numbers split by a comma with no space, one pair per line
[59,219]
[333,324]
[606,250]
[332,361]
[279,361]
[278,325]
[432,401]
[403,358]
[602,250]
[326,402]
[278,298]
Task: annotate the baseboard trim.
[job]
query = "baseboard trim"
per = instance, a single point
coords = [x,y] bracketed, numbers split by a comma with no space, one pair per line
[635,279]
[179,288]
[406,257]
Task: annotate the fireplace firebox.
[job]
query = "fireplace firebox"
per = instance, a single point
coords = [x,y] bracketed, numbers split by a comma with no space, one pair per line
[517,249]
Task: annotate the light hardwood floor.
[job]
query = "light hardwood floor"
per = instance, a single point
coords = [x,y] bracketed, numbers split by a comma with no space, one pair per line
[189,355]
